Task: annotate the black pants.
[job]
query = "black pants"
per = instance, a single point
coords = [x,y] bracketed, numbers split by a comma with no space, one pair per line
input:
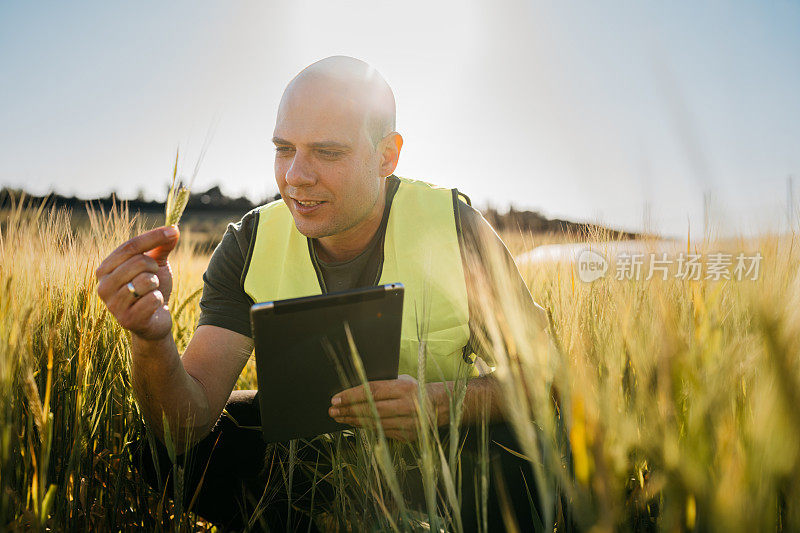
[238,473]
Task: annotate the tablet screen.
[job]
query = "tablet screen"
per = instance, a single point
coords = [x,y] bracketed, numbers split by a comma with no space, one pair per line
[303,356]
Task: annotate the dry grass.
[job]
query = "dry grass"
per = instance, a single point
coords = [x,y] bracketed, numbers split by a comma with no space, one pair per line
[650,405]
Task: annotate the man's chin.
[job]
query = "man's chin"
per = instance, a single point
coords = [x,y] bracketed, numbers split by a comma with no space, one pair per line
[312,231]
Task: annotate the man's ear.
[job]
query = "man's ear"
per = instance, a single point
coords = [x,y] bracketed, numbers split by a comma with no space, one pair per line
[390,147]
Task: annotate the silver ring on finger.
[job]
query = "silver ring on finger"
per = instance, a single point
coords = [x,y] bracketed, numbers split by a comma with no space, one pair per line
[132,290]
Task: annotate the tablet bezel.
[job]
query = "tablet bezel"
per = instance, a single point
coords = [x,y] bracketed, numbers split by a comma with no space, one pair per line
[303,308]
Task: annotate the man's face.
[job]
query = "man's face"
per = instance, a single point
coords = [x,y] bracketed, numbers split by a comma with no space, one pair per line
[326,168]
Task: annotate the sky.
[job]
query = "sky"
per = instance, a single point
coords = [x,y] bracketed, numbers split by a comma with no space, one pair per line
[632,114]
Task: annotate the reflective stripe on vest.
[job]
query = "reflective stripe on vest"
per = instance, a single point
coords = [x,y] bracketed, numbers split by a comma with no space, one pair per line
[420,250]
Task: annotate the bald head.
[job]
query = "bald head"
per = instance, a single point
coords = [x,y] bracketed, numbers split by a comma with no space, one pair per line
[335,143]
[354,85]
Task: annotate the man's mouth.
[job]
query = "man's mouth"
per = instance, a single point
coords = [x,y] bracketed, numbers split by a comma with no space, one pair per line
[308,203]
[306,207]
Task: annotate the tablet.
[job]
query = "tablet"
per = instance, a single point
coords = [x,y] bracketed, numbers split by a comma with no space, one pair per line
[303,356]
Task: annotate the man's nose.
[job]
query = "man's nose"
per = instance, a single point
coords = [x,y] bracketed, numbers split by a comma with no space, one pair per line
[300,173]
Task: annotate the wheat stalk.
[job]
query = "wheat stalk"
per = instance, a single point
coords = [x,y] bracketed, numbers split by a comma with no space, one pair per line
[178,195]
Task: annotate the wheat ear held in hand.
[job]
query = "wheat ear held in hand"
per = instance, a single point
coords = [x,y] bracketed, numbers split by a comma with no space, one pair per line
[177,197]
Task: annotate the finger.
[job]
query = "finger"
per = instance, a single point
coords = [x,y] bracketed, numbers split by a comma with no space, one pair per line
[392,388]
[381,390]
[348,396]
[389,424]
[385,408]
[401,435]
[161,252]
[139,314]
[110,284]
[143,283]
[357,421]
[140,244]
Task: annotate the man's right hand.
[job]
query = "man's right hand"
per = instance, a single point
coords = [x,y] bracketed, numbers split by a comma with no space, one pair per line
[135,283]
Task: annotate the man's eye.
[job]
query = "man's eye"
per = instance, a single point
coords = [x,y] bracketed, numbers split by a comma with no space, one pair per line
[329,153]
[284,149]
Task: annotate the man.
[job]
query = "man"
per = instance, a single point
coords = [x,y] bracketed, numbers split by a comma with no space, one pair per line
[344,221]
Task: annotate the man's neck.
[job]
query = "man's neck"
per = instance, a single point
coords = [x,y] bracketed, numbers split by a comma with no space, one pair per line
[348,244]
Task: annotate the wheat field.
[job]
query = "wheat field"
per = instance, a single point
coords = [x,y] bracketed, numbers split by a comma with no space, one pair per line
[647,405]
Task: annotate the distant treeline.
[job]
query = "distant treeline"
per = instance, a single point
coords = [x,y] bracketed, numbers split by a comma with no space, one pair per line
[212,201]
[534,222]
[214,204]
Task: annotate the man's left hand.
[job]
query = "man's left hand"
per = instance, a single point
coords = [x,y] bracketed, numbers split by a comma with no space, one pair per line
[396,402]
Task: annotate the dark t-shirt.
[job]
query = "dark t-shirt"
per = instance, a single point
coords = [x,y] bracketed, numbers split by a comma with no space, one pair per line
[225,303]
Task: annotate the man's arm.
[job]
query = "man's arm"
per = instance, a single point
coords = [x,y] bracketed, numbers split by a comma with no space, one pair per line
[189,391]
[218,351]
[496,291]
[482,398]
[135,283]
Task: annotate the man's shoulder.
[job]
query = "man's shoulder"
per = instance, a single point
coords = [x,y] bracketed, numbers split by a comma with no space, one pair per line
[272,205]
[235,242]
[418,186]
[472,222]
[244,227]
[465,209]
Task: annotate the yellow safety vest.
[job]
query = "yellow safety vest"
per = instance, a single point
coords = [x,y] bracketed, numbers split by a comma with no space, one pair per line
[420,250]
